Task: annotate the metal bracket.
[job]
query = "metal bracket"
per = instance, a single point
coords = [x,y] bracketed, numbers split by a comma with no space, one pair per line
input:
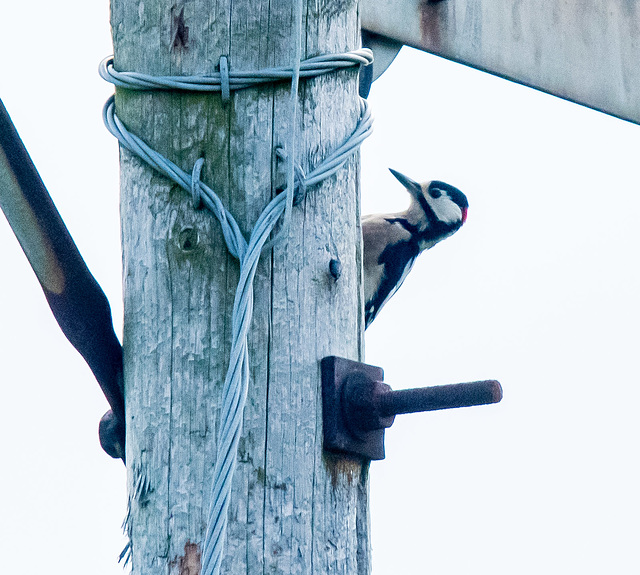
[337,435]
[358,406]
[75,298]
[384,52]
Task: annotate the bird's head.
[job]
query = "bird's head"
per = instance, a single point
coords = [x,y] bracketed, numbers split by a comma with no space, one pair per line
[440,204]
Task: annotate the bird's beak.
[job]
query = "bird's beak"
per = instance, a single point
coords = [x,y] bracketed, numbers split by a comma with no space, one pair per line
[412,186]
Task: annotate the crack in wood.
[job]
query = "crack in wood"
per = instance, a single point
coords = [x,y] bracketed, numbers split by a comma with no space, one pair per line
[180,31]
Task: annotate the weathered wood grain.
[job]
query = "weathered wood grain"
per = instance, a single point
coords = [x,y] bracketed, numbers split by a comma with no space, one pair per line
[586,51]
[293,510]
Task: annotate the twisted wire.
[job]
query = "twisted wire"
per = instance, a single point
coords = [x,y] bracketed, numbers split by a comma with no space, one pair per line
[237,79]
[236,382]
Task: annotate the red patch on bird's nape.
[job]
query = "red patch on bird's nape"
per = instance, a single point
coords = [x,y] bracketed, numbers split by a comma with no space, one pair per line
[464,214]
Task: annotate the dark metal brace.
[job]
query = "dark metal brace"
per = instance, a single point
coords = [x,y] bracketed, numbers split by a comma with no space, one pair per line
[75,298]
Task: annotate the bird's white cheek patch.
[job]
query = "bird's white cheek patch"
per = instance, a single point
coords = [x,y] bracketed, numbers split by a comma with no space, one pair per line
[446,211]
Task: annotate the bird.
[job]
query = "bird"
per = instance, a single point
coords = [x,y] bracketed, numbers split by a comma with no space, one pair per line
[392,242]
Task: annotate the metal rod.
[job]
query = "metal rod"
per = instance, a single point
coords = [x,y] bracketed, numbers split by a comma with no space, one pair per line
[439,397]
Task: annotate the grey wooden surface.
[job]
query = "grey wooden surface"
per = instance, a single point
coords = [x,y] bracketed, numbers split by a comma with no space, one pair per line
[586,51]
[292,509]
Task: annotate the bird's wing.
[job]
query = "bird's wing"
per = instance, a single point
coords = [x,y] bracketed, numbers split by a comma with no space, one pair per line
[389,252]
[378,232]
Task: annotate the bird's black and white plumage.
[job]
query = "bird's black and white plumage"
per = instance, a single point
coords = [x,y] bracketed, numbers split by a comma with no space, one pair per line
[392,242]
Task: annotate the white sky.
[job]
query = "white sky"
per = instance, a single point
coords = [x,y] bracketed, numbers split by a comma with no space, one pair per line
[538,290]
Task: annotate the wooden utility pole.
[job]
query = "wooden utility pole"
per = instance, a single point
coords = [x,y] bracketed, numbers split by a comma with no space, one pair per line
[293,509]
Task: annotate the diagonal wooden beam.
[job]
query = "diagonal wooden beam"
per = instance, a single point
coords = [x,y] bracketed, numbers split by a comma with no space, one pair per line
[586,51]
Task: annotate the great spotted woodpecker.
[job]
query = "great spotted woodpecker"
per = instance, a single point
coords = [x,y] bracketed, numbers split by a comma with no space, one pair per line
[392,242]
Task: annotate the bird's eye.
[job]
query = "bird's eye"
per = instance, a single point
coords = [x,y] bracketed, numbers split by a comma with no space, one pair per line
[435,192]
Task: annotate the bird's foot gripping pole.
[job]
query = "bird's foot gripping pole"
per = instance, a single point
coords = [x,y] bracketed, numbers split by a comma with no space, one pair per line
[358,406]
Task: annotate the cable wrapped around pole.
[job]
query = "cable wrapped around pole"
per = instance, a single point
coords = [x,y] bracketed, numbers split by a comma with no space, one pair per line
[248,253]
[236,382]
[237,79]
